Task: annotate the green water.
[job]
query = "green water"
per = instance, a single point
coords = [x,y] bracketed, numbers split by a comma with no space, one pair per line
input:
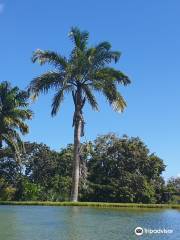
[84,223]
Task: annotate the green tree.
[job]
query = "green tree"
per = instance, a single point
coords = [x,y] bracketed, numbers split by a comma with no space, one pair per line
[173,189]
[174,184]
[10,174]
[49,169]
[112,169]
[46,173]
[7,192]
[9,167]
[87,70]
[40,163]
[31,191]
[122,170]
[13,114]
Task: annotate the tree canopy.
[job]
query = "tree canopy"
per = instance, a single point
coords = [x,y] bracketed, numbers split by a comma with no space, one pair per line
[86,68]
[112,169]
[13,114]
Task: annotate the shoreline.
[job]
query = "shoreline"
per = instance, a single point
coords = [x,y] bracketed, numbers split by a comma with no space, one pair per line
[91,204]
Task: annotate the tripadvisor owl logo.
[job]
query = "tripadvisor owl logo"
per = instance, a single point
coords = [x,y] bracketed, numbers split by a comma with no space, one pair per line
[138,231]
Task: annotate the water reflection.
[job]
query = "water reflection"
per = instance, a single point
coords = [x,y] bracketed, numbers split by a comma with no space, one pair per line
[83,223]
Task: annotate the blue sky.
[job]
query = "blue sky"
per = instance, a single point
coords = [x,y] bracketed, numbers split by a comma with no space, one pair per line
[148,35]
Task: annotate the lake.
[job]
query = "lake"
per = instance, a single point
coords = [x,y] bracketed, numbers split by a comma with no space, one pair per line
[85,223]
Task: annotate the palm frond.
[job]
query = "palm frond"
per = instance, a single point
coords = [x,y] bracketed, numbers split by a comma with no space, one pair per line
[23,127]
[45,82]
[100,56]
[90,97]
[104,45]
[110,92]
[111,74]
[119,104]
[79,38]
[49,57]
[22,114]
[58,98]
[13,113]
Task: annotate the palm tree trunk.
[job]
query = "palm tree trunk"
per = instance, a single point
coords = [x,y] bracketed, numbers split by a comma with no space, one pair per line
[78,124]
[76,160]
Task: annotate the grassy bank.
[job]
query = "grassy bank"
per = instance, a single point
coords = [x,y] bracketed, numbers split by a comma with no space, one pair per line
[92,204]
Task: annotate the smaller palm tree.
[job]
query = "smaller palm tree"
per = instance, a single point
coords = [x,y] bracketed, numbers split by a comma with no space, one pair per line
[13,114]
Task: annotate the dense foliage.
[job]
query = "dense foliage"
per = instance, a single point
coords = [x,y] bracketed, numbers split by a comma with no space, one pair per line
[122,170]
[113,169]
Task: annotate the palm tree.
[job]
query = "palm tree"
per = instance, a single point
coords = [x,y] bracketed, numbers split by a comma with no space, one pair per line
[84,72]
[13,113]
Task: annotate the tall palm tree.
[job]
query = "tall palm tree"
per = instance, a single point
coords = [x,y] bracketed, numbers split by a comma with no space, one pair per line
[84,72]
[13,113]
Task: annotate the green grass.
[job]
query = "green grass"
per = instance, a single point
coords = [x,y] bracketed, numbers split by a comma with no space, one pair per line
[92,204]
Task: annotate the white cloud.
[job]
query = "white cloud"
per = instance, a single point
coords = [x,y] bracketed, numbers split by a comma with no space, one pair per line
[178,175]
[1,7]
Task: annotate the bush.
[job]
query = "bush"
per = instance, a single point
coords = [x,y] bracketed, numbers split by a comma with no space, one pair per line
[6,192]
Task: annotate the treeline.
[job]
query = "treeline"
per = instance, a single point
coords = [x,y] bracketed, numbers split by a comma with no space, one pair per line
[112,169]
